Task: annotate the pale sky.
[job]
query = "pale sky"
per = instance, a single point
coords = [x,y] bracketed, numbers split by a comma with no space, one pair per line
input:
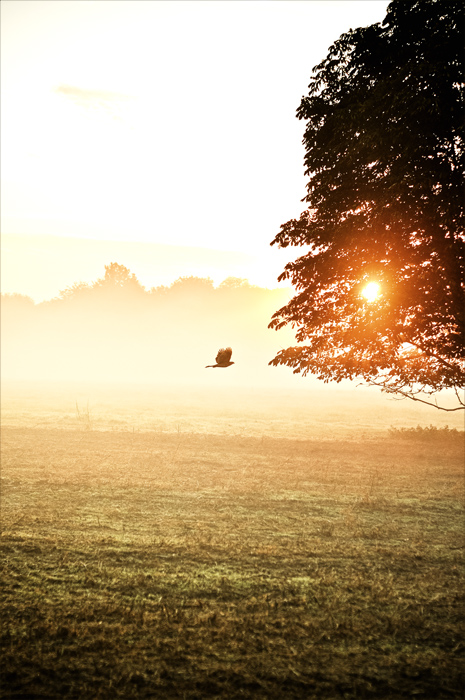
[157,122]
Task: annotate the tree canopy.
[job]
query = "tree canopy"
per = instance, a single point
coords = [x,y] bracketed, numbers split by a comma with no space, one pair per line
[384,156]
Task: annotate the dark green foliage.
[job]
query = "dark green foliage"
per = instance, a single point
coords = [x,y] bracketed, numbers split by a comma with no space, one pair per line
[384,156]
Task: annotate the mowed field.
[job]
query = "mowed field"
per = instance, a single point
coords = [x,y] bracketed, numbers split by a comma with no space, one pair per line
[194,552]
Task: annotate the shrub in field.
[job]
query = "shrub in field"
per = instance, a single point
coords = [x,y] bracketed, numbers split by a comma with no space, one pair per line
[430,432]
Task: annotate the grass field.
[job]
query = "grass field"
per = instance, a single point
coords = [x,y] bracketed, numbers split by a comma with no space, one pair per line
[155,561]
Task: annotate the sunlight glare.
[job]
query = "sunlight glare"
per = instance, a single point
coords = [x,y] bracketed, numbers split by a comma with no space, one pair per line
[371,291]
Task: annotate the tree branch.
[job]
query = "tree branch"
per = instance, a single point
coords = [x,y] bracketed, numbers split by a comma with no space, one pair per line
[412,397]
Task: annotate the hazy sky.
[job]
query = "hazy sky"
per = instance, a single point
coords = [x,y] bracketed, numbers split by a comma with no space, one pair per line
[158,122]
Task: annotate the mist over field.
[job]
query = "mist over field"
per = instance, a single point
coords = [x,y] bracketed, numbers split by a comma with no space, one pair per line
[116,331]
[169,529]
[139,356]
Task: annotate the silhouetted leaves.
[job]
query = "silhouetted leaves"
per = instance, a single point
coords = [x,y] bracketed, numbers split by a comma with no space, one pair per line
[385,159]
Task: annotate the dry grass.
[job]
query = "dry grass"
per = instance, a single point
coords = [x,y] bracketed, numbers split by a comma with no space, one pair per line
[171,565]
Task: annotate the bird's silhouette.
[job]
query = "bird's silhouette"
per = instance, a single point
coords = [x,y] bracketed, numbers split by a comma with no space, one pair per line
[223,359]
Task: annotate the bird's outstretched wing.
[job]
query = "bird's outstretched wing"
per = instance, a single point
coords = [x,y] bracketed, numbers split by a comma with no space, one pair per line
[224,356]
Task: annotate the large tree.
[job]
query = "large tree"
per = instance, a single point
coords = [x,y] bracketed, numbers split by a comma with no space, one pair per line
[384,156]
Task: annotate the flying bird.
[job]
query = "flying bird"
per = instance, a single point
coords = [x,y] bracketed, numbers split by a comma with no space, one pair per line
[223,359]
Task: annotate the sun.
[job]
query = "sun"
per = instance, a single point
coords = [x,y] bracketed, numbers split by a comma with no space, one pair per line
[371,291]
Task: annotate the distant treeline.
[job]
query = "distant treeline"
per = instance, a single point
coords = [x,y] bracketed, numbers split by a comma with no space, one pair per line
[115,329]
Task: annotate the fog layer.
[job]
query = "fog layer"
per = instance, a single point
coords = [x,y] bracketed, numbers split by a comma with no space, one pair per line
[115,330]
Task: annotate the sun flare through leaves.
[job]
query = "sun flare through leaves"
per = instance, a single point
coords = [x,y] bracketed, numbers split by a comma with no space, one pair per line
[383,225]
[371,291]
